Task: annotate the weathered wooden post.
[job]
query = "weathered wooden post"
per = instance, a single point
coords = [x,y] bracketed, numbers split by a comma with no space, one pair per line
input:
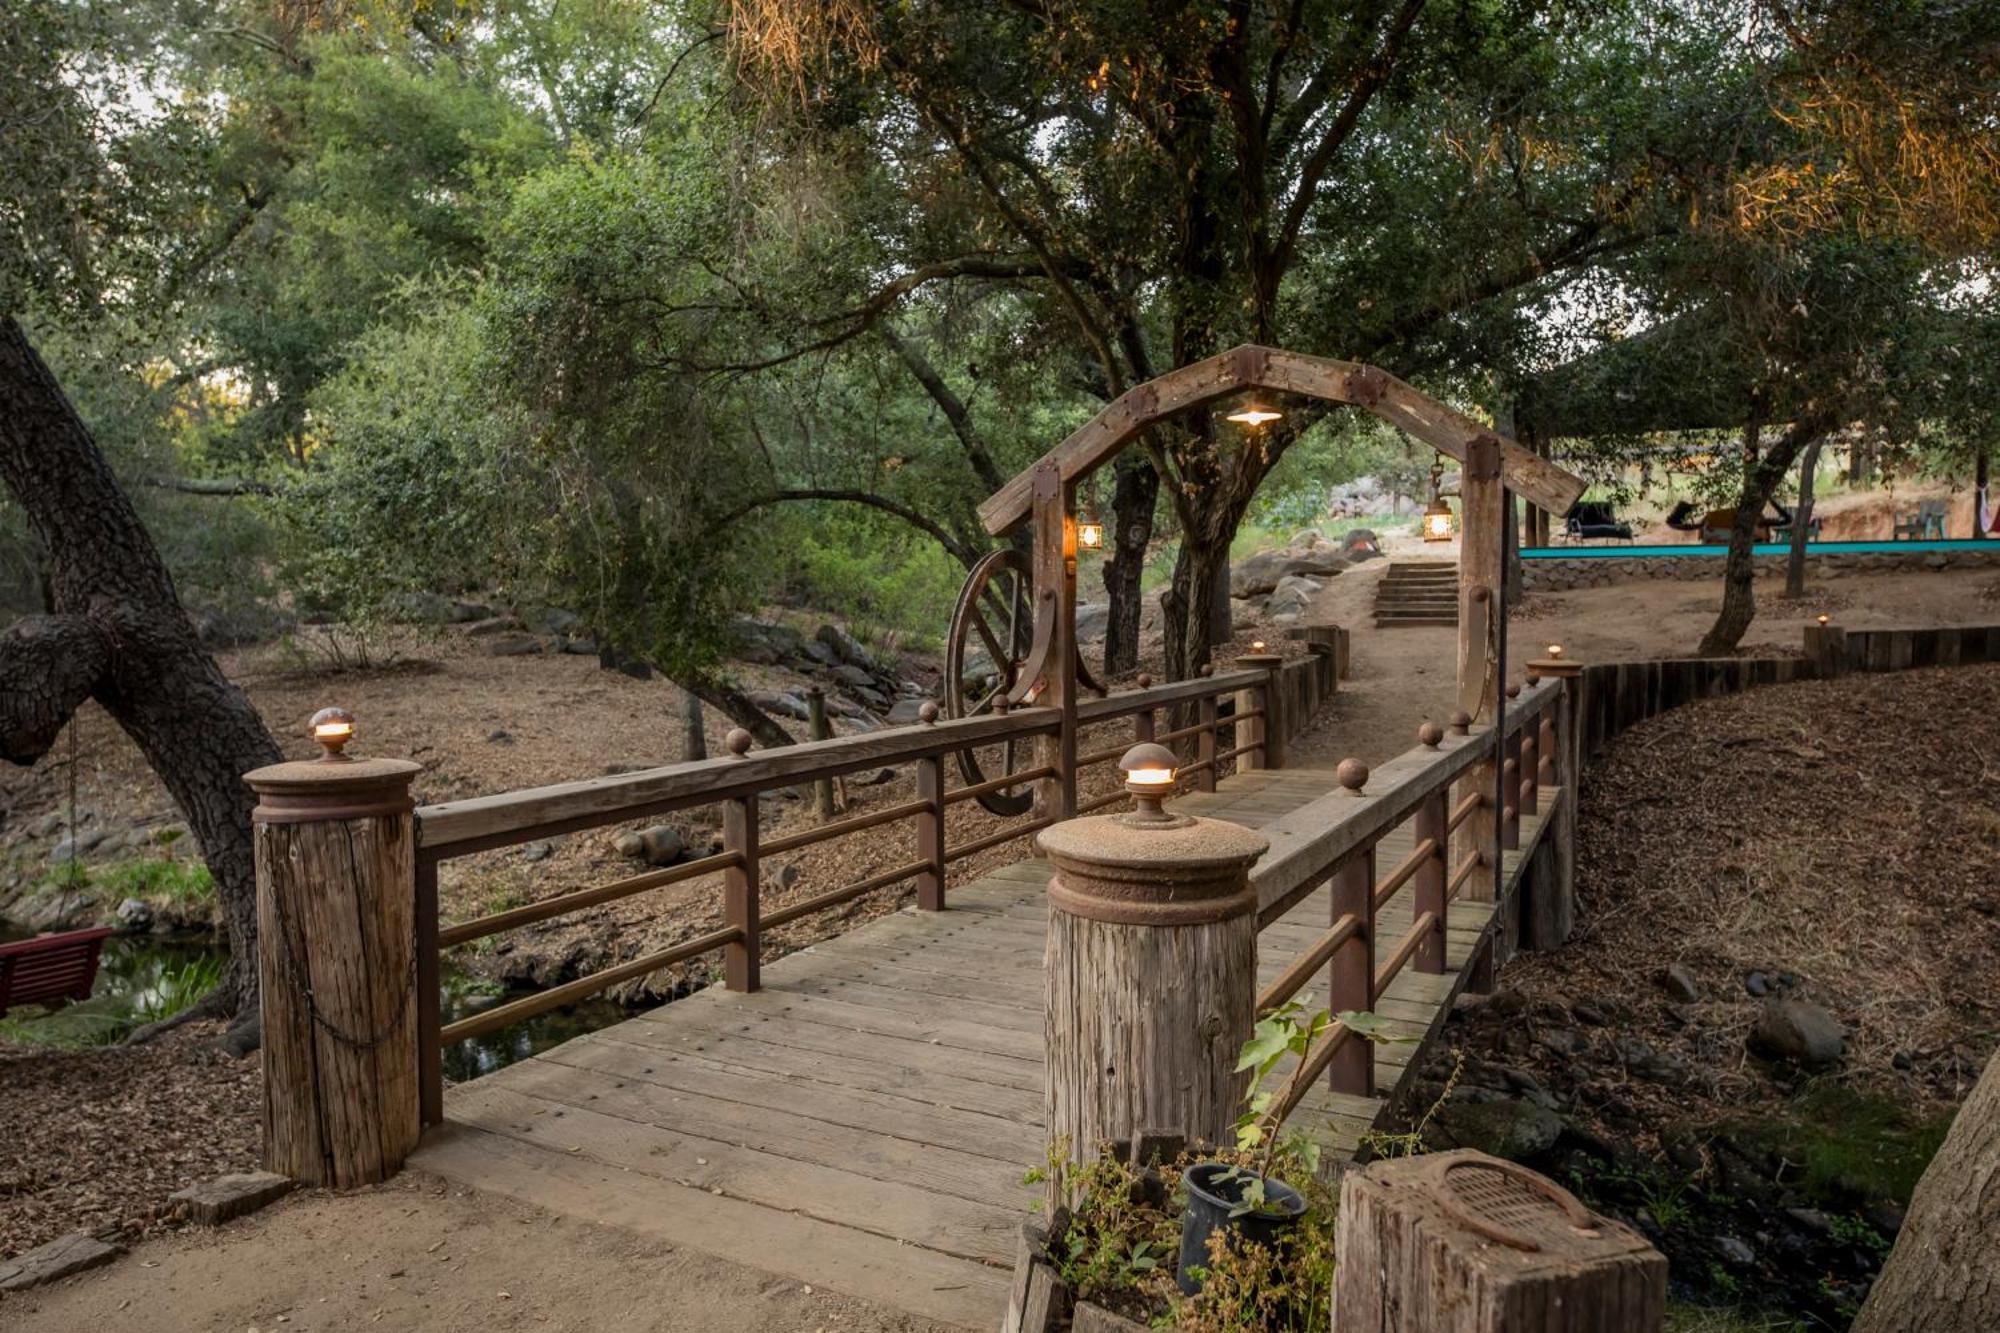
[1460,1242]
[741,882]
[1350,973]
[819,729]
[930,824]
[336,925]
[1482,513]
[1265,732]
[1432,824]
[1550,911]
[1826,648]
[1152,968]
[1145,721]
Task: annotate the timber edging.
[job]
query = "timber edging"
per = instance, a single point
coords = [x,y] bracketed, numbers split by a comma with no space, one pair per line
[1618,695]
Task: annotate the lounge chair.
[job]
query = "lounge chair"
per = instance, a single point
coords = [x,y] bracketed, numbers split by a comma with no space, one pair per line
[1594,520]
[1925,524]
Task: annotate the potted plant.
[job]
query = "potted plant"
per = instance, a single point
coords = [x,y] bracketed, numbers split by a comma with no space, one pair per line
[1244,1199]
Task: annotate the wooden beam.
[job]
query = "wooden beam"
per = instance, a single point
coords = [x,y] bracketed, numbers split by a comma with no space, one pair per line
[1250,366]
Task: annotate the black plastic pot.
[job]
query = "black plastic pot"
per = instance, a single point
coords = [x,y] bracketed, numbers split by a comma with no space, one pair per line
[1212,1194]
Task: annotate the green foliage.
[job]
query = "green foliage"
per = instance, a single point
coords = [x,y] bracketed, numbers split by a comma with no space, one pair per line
[154,877]
[157,990]
[1845,1142]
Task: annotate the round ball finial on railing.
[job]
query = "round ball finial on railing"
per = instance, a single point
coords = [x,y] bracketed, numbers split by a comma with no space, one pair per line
[1353,775]
[1205,669]
[1514,690]
[1461,722]
[1145,680]
[333,728]
[927,712]
[1430,734]
[738,740]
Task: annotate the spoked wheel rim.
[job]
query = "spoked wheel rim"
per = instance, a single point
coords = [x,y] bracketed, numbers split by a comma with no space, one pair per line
[992,622]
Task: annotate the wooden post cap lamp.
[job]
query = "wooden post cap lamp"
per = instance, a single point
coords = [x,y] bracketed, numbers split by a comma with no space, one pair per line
[1554,665]
[1149,777]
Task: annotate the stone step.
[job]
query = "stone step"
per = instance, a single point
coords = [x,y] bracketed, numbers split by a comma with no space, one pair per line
[1407,622]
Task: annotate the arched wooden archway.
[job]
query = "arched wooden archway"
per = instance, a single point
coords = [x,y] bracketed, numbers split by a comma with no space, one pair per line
[1046,492]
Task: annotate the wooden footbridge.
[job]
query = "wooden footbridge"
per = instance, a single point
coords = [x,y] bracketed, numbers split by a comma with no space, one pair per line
[865,1119]
[861,1112]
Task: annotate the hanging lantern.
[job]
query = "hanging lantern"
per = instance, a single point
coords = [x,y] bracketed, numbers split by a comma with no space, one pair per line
[1089,532]
[1437,514]
[1253,415]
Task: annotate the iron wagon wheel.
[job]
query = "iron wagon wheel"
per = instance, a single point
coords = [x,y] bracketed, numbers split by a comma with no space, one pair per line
[984,654]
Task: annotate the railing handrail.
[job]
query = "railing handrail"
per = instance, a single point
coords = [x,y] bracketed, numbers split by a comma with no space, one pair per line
[480,823]
[455,828]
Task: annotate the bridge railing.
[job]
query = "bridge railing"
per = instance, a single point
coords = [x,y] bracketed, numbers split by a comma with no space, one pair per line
[1445,789]
[1240,717]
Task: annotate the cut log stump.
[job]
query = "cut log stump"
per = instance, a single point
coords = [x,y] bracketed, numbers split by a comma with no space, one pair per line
[1461,1242]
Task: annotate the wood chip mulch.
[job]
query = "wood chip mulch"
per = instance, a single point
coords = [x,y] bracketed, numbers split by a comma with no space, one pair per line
[96,1140]
[1845,833]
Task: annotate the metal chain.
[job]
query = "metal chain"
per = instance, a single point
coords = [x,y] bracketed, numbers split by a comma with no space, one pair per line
[75,870]
[296,973]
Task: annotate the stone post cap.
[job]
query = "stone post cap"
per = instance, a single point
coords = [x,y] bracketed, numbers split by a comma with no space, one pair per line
[313,790]
[1170,875]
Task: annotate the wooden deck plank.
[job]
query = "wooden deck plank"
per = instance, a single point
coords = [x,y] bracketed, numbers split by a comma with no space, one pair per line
[868,1115]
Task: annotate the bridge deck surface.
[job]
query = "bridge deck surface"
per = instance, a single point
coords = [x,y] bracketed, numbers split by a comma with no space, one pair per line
[865,1120]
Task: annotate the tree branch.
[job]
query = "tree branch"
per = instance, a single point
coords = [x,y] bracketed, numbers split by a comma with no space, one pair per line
[208,485]
[959,550]
[953,407]
[48,666]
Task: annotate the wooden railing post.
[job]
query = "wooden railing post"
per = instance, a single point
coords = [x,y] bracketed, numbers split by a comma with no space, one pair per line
[1151,977]
[1552,892]
[1432,821]
[1351,972]
[818,727]
[1530,751]
[337,937]
[1204,743]
[741,908]
[1510,777]
[1256,736]
[930,828]
[1144,722]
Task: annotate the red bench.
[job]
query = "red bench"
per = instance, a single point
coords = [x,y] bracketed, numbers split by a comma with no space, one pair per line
[50,969]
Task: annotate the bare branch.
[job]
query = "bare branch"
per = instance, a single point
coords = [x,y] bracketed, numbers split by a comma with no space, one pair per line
[959,550]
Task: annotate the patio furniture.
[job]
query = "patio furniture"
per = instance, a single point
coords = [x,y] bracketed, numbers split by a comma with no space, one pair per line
[1925,524]
[50,969]
[1594,520]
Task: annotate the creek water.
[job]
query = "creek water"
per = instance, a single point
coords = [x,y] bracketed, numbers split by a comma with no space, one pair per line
[136,972]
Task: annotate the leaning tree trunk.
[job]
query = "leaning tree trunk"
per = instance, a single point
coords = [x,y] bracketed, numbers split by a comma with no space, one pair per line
[117,633]
[1795,560]
[1189,604]
[1944,1274]
[1760,483]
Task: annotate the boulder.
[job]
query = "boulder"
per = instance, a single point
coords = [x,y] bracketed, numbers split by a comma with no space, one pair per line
[755,641]
[661,845]
[135,914]
[513,645]
[1680,985]
[480,629]
[849,674]
[1506,1127]
[1262,574]
[845,646]
[904,712]
[580,645]
[871,696]
[537,851]
[1800,1032]
[630,844]
[781,703]
[551,620]
[1092,620]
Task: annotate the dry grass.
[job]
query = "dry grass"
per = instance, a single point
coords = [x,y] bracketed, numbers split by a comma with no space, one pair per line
[1846,832]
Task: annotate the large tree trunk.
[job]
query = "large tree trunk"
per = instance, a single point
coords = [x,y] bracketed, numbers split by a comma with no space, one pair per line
[1944,1274]
[1131,528]
[118,634]
[1189,604]
[1795,561]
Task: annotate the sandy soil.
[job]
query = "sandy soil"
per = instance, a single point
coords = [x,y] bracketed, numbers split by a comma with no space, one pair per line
[418,1254]
[1403,676]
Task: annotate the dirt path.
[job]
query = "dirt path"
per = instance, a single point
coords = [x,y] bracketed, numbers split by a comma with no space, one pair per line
[417,1254]
[1403,676]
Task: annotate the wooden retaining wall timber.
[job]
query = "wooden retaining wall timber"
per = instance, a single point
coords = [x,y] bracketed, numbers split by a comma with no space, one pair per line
[1618,695]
